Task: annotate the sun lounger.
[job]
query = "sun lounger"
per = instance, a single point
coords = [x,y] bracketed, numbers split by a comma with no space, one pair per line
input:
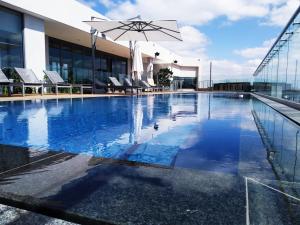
[146,86]
[4,81]
[28,79]
[152,84]
[56,81]
[116,85]
[129,84]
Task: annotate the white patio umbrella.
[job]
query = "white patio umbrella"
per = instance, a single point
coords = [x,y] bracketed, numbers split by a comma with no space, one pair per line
[138,30]
[133,30]
[137,65]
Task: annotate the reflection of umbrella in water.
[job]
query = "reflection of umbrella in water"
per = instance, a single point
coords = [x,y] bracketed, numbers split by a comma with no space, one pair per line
[150,106]
[137,120]
[133,29]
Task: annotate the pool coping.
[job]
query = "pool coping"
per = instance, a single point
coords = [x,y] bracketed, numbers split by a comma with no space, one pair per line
[285,110]
[83,96]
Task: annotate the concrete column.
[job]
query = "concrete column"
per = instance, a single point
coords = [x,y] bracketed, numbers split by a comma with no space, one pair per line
[34,45]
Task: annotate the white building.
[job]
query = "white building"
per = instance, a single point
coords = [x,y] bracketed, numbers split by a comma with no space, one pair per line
[51,35]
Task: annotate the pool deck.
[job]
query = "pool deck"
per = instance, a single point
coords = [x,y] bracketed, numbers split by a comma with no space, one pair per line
[68,96]
[291,113]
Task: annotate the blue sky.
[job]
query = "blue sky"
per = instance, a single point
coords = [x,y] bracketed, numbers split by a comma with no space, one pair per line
[241,34]
[233,34]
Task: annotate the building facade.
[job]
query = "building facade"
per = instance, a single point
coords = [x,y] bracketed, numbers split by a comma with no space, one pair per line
[52,35]
[278,75]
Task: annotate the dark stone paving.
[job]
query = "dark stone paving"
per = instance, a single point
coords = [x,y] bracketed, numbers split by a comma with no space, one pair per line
[14,216]
[124,194]
[264,204]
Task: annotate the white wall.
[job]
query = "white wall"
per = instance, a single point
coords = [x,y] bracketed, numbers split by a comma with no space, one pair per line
[34,45]
[189,71]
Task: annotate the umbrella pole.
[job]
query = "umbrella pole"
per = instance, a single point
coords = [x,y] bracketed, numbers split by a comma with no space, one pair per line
[94,35]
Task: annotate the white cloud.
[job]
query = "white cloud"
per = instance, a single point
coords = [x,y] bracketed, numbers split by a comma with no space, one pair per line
[107,3]
[193,46]
[228,69]
[279,16]
[89,3]
[199,12]
[224,69]
[255,52]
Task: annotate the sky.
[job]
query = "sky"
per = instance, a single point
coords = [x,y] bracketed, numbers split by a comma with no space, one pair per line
[234,35]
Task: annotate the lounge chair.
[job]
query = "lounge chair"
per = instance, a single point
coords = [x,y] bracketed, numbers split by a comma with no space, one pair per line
[116,85]
[152,84]
[129,84]
[28,79]
[57,82]
[4,81]
[146,86]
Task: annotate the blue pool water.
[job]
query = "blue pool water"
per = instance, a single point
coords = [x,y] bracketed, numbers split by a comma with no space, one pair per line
[194,130]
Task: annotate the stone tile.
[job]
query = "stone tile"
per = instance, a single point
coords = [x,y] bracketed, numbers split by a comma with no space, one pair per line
[14,216]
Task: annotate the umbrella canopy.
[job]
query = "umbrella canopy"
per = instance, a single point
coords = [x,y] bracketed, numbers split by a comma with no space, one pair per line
[128,30]
[133,30]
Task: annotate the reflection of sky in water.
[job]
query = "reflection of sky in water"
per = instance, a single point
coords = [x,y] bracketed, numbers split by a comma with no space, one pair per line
[198,131]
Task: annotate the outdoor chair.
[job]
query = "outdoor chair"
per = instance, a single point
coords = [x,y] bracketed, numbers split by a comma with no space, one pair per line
[4,81]
[56,81]
[146,86]
[27,79]
[128,83]
[150,81]
[116,85]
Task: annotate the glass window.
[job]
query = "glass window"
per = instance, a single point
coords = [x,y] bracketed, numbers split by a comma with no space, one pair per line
[282,69]
[74,62]
[119,67]
[11,38]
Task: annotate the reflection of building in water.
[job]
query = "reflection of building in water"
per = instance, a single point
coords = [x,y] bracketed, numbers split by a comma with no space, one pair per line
[2,127]
[37,121]
[281,137]
[184,105]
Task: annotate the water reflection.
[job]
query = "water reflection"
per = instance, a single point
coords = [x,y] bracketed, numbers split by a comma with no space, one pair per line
[281,137]
[193,130]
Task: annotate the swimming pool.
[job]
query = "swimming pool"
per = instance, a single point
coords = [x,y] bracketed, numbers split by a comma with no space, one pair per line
[124,128]
[177,158]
